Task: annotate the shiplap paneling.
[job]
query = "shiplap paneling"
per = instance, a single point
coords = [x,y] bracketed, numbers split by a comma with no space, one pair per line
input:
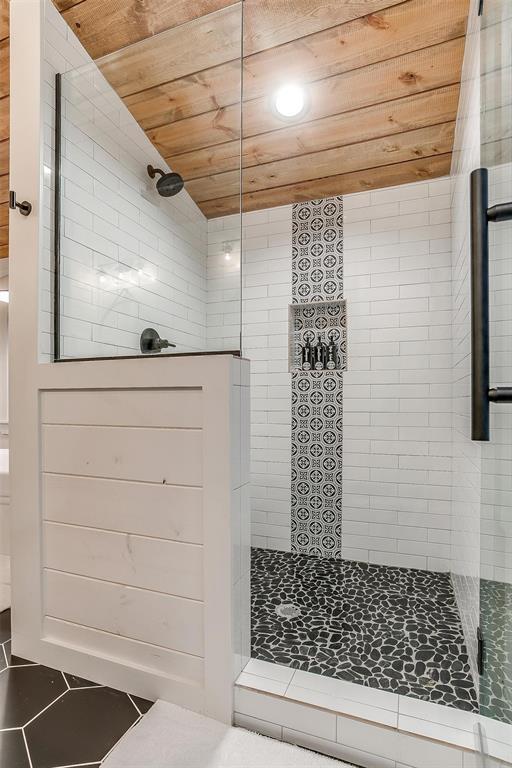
[182,666]
[124,453]
[103,28]
[408,145]
[164,511]
[139,614]
[409,113]
[343,184]
[138,561]
[162,408]
[208,41]
[379,83]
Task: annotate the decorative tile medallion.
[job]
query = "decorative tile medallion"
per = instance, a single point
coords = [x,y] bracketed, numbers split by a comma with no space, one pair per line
[317,397]
[395,629]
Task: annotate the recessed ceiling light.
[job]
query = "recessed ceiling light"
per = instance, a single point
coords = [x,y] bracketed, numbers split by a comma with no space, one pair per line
[290,100]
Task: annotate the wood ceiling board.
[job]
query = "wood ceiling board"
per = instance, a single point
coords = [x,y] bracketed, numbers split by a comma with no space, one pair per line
[4,68]
[344,184]
[4,214]
[188,96]
[422,70]
[268,23]
[201,44]
[4,156]
[409,113]
[103,27]
[4,189]
[220,87]
[4,19]
[423,142]
[403,28]
[412,25]
[63,5]
[4,118]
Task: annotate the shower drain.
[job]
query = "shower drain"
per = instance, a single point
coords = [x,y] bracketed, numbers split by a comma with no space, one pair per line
[288,611]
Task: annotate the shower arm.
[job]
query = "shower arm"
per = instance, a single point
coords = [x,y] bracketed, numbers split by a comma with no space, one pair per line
[482,394]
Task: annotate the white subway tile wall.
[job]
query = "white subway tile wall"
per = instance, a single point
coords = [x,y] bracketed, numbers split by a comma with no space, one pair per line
[267,276]
[397,389]
[130,258]
[397,422]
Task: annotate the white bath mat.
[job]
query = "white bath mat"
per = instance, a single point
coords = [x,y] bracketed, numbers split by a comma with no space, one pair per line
[171,737]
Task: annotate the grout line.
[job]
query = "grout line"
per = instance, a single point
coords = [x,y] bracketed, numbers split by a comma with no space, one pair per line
[47,707]
[290,682]
[26,747]
[134,704]
[77,765]
[136,722]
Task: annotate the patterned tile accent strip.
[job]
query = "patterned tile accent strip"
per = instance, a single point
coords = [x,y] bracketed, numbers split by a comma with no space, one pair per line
[395,629]
[317,397]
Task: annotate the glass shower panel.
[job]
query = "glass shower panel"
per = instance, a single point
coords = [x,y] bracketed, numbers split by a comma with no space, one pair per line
[148,158]
[496,512]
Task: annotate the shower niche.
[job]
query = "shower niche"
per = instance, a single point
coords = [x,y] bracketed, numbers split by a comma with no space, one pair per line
[324,320]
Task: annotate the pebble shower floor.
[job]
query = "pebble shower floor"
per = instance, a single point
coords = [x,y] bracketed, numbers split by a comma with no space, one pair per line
[396,629]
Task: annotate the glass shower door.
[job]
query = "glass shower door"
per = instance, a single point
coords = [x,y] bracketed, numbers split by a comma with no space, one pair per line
[496,509]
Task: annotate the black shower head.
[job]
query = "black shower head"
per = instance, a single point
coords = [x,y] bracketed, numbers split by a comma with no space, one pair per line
[169,184]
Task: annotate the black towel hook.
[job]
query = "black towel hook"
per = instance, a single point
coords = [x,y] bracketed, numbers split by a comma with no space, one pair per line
[24,208]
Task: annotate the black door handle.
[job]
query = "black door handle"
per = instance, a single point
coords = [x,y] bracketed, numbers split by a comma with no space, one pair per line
[481,392]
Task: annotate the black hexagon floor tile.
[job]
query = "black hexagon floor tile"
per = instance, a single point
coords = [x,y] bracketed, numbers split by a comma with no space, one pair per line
[68,720]
[143,705]
[26,691]
[12,750]
[14,661]
[5,625]
[81,727]
[79,682]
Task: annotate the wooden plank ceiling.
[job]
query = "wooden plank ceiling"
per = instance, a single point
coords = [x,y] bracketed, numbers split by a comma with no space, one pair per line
[382,78]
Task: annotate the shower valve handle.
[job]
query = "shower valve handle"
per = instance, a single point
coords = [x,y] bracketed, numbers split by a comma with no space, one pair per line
[150,341]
